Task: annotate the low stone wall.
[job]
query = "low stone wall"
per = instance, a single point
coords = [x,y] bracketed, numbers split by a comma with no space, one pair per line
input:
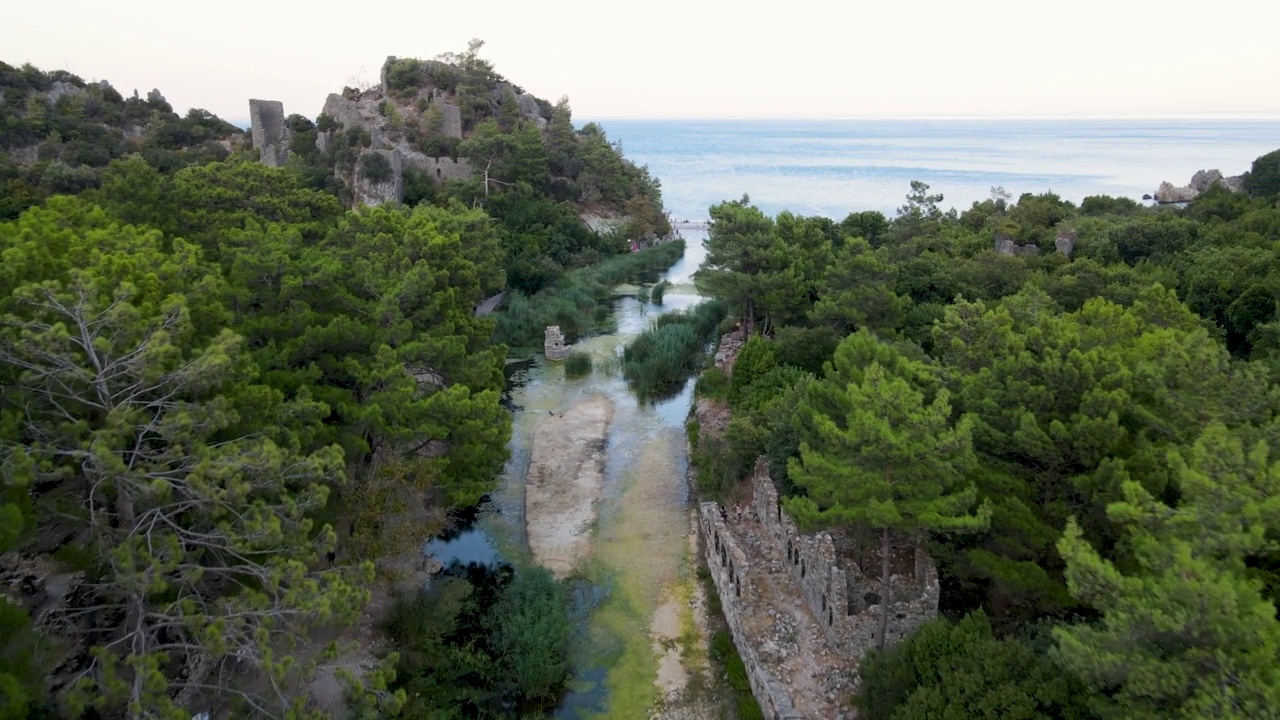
[837,595]
[729,567]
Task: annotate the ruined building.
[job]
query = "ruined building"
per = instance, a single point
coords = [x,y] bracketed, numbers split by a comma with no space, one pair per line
[749,548]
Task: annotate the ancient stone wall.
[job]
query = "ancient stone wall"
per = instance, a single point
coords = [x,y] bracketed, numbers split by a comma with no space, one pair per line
[846,601]
[728,565]
[553,346]
[270,136]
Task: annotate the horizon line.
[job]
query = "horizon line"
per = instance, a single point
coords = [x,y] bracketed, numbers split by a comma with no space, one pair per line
[1202,116]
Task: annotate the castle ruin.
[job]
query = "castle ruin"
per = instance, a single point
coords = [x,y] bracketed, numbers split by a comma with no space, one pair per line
[769,574]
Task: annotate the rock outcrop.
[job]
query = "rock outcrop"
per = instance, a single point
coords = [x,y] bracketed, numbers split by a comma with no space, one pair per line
[270,134]
[1006,246]
[1169,193]
[1065,243]
[1200,183]
[377,192]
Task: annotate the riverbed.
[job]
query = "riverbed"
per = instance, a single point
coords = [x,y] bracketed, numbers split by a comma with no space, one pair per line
[637,593]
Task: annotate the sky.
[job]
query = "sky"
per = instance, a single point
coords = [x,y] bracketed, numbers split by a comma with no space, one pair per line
[691,58]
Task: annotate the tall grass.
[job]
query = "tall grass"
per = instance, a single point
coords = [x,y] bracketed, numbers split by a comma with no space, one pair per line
[575,302]
[658,362]
[577,365]
[657,291]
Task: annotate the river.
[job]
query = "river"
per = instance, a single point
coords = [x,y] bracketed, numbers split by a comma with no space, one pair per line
[640,573]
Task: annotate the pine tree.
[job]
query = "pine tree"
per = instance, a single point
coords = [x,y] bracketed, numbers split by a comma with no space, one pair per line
[1186,632]
[877,455]
[206,549]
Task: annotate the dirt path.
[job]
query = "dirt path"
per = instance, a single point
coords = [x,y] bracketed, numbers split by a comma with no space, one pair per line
[565,482]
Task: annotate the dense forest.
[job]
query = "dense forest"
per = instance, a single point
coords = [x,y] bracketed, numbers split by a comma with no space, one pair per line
[231,403]
[1075,408]
[230,396]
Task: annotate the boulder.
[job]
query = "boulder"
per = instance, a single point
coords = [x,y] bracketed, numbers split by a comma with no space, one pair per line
[1235,183]
[269,133]
[1169,193]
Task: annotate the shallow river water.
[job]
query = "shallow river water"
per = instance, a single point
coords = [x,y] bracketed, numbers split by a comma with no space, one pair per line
[640,558]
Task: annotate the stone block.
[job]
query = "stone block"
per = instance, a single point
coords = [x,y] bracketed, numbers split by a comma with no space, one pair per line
[553,346]
[452,125]
[269,133]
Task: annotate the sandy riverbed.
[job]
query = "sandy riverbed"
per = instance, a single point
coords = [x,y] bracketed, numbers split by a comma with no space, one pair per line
[565,482]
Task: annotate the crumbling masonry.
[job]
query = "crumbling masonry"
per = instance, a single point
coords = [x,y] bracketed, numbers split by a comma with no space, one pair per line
[844,603]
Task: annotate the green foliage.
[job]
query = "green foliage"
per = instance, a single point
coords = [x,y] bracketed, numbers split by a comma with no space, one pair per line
[1263,179]
[531,633]
[375,167]
[962,671]
[754,360]
[575,301]
[1186,632]
[764,270]
[87,128]
[483,646]
[143,406]
[658,291]
[726,656]
[577,365]
[659,361]
[877,454]
[805,348]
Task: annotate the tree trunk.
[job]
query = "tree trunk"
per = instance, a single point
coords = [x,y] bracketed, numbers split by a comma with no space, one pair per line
[751,316]
[884,587]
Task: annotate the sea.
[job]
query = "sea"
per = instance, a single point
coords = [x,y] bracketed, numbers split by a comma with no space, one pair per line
[834,167]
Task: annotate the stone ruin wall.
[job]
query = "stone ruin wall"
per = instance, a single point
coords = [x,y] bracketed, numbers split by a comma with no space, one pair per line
[836,595]
[728,565]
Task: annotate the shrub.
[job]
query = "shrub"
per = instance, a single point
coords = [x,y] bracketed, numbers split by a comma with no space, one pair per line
[576,302]
[658,291]
[375,167]
[531,633]
[577,365]
[664,356]
[724,653]
[963,670]
[805,348]
[755,359]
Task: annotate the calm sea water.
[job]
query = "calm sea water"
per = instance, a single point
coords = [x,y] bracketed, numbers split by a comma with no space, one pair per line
[833,167]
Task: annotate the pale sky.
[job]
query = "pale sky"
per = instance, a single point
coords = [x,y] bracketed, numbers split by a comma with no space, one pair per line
[690,58]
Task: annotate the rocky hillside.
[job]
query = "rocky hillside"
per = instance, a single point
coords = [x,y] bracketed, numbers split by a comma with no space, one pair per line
[454,119]
[57,133]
